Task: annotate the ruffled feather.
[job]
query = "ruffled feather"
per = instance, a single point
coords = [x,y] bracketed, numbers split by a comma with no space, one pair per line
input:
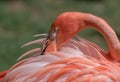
[78,60]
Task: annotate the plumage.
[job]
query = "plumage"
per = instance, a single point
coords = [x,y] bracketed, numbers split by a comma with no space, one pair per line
[69,58]
[76,61]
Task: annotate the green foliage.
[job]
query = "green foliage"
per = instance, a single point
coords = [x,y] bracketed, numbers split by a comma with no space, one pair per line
[21,19]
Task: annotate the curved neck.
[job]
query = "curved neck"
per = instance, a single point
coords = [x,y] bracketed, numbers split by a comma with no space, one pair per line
[107,32]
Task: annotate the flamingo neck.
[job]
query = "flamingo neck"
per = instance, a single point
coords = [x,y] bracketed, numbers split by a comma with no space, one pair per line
[107,32]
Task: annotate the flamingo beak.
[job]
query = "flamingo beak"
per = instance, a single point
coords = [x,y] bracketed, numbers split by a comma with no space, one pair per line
[49,40]
[45,45]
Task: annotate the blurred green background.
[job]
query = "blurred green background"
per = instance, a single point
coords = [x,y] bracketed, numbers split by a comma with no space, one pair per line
[21,19]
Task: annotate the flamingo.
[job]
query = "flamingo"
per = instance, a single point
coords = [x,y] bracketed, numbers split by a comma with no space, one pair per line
[65,57]
[2,74]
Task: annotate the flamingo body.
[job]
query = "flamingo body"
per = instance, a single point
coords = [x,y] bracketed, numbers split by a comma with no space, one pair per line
[66,59]
[2,74]
[76,61]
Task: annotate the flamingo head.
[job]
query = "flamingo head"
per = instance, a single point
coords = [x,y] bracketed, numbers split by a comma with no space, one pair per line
[63,28]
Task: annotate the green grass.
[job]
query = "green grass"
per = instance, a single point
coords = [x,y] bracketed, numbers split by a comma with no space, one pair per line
[21,19]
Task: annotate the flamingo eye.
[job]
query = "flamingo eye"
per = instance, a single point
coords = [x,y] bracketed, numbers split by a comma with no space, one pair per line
[55,29]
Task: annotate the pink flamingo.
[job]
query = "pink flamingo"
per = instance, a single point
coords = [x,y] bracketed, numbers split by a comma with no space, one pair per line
[67,59]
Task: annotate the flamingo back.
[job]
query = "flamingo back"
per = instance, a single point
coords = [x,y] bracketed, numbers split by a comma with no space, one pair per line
[77,61]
